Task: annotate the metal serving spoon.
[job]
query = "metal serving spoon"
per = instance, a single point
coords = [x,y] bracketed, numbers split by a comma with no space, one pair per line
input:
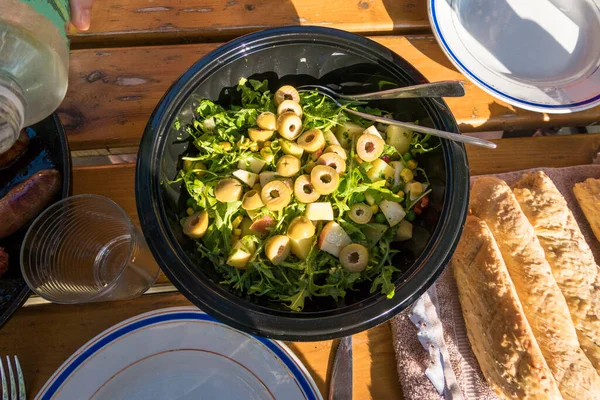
[417,128]
[434,89]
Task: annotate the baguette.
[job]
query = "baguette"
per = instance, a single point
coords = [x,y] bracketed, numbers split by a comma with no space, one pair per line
[588,197]
[568,254]
[543,303]
[501,338]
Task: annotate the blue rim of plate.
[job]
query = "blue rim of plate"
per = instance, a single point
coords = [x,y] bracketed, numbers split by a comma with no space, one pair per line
[434,19]
[296,370]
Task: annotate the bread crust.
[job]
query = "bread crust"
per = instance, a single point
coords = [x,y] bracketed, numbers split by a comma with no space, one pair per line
[543,303]
[498,331]
[588,197]
[567,252]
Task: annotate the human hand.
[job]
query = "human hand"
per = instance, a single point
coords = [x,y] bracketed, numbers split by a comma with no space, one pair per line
[80,14]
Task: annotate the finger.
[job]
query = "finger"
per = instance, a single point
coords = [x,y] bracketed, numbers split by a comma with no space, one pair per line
[81,14]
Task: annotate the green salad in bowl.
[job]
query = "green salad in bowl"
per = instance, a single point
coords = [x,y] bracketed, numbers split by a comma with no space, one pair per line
[293,198]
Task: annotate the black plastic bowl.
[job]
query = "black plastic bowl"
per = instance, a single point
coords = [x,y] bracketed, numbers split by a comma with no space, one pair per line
[297,55]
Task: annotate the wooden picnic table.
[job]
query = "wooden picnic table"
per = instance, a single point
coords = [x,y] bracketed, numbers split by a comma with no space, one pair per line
[133,52]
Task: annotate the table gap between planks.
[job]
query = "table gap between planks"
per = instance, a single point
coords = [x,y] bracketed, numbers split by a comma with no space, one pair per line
[133,53]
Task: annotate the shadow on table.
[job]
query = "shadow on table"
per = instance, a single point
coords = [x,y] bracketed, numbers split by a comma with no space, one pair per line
[402,13]
[498,110]
[381,352]
[432,50]
[323,385]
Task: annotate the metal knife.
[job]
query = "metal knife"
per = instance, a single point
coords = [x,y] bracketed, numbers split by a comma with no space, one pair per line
[340,387]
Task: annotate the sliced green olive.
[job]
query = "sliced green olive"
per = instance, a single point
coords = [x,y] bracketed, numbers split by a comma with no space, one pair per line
[291,106]
[288,166]
[286,92]
[324,179]
[334,161]
[259,135]
[369,147]
[228,190]
[277,248]
[304,190]
[196,166]
[301,228]
[276,195]
[195,225]
[252,200]
[267,121]
[289,125]
[312,140]
[354,257]
[360,213]
[337,149]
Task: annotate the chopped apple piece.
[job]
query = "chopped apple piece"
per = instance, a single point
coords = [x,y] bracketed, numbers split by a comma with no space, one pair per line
[241,253]
[380,170]
[394,213]
[373,131]
[288,182]
[404,232]
[291,148]
[238,258]
[330,138]
[319,211]
[346,131]
[301,248]
[251,164]
[333,238]
[262,226]
[373,233]
[245,227]
[397,165]
[266,177]
[252,214]
[399,137]
[249,178]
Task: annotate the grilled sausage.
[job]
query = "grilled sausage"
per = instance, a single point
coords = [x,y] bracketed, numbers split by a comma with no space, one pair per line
[15,151]
[26,200]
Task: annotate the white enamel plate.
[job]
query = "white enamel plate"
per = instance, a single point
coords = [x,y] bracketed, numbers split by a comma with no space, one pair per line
[541,55]
[180,353]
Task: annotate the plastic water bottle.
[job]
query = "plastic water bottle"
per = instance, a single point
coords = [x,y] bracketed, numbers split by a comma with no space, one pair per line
[34,63]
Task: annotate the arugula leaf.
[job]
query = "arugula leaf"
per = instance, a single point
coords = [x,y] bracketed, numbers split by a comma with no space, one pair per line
[382,84]
[419,144]
[320,112]
[256,95]
[296,301]
[384,281]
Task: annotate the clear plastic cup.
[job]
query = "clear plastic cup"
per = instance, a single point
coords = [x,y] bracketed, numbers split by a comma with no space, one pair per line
[85,249]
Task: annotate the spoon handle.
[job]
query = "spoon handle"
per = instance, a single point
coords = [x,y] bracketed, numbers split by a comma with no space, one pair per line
[429,131]
[434,89]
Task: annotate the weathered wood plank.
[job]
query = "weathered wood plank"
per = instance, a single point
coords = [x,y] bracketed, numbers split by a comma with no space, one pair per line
[113,92]
[139,22]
